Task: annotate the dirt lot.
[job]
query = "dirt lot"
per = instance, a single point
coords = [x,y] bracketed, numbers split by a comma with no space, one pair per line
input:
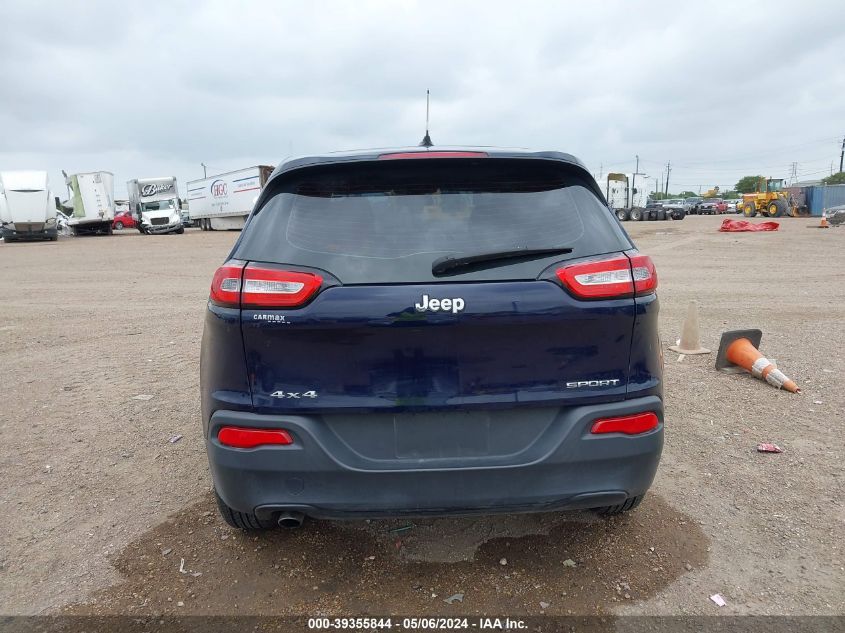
[100,508]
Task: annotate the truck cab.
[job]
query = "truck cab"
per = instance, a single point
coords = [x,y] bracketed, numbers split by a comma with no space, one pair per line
[27,208]
[155,205]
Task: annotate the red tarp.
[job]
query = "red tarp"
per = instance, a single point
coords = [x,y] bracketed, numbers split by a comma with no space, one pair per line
[735,226]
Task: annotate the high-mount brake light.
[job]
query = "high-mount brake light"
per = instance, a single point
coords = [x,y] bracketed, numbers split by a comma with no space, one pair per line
[615,277]
[226,285]
[422,154]
[271,288]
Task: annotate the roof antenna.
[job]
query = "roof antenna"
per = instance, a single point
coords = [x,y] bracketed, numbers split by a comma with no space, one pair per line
[426,142]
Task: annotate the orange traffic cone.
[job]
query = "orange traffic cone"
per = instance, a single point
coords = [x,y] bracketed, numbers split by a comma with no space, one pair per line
[823,224]
[739,349]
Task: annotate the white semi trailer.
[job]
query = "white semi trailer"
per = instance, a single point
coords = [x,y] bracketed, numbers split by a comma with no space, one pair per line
[155,205]
[90,202]
[27,207]
[224,201]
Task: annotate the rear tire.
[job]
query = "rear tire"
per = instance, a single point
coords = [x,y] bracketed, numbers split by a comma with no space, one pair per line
[636,215]
[180,230]
[241,520]
[777,208]
[622,214]
[679,214]
[749,210]
[628,505]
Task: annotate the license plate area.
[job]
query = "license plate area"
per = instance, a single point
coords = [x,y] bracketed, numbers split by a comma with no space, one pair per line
[442,435]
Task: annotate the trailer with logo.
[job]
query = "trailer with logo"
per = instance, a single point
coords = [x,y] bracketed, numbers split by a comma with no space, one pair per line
[224,201]
[155,205]
[27,207]
[90,203]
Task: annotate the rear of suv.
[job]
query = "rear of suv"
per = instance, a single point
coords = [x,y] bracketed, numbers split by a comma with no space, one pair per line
[429,332]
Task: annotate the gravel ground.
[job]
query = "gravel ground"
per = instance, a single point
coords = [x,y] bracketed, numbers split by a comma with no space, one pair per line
[101,507]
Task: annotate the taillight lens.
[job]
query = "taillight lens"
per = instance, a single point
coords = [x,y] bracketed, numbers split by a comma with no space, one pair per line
[254,286]
[239,437]
[599,279]
[612,278]
[645,276]
[629,424]
[226,285]
[270,288]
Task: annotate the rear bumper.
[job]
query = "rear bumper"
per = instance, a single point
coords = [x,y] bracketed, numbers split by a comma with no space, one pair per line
[323,476]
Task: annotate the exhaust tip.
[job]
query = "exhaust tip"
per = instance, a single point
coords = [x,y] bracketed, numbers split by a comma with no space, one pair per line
[290,520]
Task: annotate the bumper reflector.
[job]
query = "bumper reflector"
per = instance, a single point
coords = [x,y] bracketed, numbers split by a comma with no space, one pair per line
[629,424]
[238,437]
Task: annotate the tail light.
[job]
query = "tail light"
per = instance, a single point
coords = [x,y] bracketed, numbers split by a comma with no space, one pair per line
[611,278]
[239,437]
[629,424]
[644,274]
[271,288]
[226,285]
[238,285]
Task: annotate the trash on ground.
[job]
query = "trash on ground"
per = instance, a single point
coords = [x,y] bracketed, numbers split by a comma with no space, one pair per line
[456,597]
[718,599]
[741,226]
[399,530]
[174,439]
[765,447]
[569,563]
[182,569]
[166,551]
[544,605]
[143,396]
[503,561]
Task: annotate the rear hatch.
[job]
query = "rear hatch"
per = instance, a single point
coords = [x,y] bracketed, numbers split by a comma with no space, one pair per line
[347,304]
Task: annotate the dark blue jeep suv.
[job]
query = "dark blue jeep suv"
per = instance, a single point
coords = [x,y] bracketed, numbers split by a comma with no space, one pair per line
[431,331]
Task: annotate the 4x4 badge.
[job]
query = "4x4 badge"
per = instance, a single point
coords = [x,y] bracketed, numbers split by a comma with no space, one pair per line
[449,304]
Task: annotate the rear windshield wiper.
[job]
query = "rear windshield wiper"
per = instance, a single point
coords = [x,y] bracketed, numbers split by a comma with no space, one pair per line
[450,263]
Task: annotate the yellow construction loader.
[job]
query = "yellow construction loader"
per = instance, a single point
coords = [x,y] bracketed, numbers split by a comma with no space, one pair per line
[770,199]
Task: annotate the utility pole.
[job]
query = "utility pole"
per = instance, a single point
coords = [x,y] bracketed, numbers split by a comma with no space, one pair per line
[668,171]
[204,173]
[842,154]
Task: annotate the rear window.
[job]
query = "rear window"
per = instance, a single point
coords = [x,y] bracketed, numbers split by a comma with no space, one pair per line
[387,221]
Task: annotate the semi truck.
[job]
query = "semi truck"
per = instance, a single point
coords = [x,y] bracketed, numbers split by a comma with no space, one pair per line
[155,205]
[27,207]
[627,196]
[224,201]
[90,205]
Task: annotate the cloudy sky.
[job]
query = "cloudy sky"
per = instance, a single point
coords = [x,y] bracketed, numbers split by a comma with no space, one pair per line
[720,89]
